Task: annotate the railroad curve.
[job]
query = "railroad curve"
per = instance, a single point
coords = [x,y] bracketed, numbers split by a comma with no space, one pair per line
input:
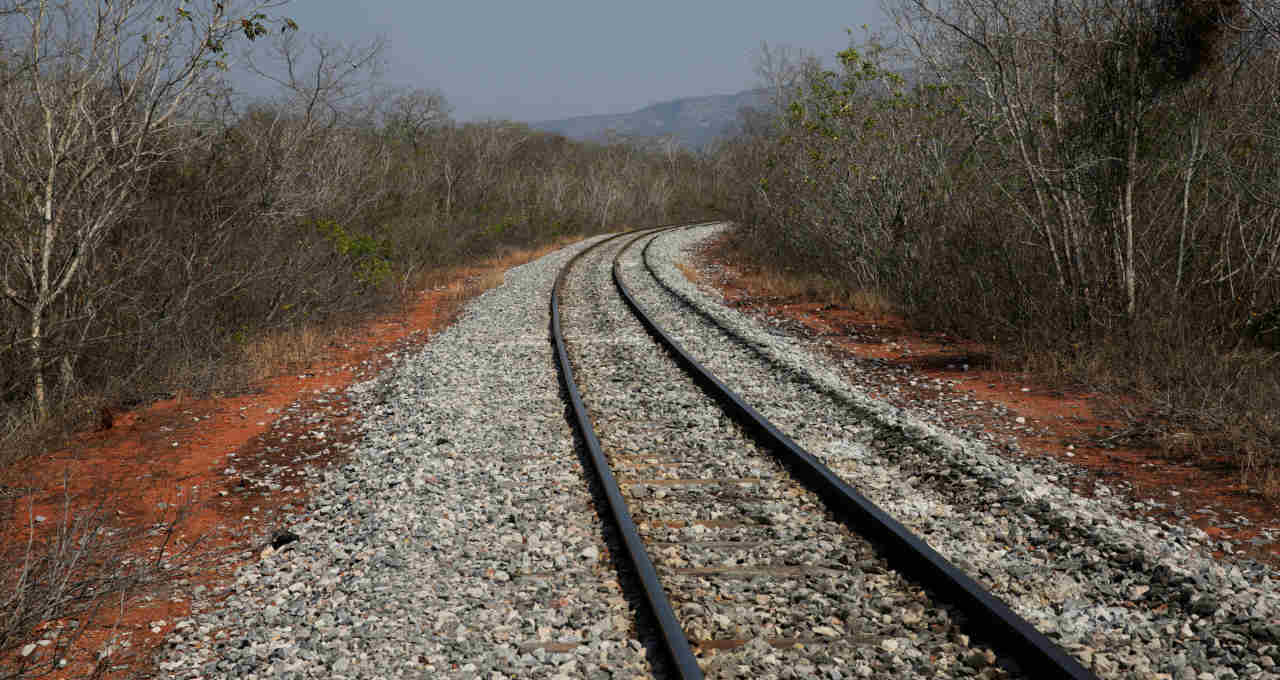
[706,514]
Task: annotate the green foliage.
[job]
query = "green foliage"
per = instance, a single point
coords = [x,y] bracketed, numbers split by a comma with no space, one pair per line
[506,225]
[1264,328]
[369,257]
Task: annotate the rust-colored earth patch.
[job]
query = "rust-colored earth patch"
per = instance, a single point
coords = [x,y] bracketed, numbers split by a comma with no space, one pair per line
[182,479]
[917,369]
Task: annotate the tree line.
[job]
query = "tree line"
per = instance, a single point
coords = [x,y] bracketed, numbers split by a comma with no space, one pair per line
[1090,183]
[153,219]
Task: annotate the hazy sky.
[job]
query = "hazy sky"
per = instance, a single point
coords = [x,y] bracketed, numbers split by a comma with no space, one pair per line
[560,58]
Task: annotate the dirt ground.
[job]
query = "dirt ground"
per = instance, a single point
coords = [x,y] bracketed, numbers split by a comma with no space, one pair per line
[188,464]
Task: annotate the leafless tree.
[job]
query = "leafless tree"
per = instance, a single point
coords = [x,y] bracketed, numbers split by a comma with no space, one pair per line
[306,136]
[322,81]
[411,114]
[781,70]
[1067,91]
[97,93]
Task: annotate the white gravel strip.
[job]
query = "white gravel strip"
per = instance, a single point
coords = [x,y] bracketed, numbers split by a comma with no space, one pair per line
[1132,599]
[460,540]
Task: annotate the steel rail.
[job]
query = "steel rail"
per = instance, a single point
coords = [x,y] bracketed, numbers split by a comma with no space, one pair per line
[1036,654]
[676,642]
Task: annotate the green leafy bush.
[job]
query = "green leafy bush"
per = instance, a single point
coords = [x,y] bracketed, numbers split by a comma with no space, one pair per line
[370,258]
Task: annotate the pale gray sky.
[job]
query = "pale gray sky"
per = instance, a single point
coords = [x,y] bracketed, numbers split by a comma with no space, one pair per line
[560,58]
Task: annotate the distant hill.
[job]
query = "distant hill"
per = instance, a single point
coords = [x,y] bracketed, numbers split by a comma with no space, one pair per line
[694,121]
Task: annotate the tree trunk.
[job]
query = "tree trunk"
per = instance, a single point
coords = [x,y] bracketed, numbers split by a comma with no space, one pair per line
[37,363]
[67,374]
[1130,257]
[1186,204]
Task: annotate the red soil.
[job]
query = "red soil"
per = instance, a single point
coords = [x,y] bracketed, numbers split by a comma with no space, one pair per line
[193,457]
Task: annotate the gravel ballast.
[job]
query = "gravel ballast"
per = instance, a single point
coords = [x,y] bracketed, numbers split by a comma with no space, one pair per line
[459,540]
[1130,598]
[759,574]
[461,537]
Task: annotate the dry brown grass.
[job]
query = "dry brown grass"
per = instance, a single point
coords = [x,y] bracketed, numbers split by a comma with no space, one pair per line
[489,272]
[808,287]
[22,433]
[282,351]
[286,351]
[1195,403]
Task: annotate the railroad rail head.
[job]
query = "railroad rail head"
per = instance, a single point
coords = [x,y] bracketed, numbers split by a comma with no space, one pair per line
[1036,654]
[675,641]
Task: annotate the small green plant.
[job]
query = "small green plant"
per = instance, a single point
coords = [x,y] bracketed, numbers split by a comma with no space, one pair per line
[503,227]
[369,256]
[241,335]
[1264,328]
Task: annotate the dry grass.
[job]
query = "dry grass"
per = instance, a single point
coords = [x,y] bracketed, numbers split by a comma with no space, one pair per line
[1193,402]
[461,283]
[16,429]
[807,287]
[284,351]
[281,352]
[469,279]
[22,433]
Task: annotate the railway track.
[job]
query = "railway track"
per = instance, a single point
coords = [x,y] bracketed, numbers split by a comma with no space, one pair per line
[755,558]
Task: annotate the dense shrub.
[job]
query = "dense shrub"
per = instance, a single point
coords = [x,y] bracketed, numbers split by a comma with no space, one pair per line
[227,221]
[1090,181]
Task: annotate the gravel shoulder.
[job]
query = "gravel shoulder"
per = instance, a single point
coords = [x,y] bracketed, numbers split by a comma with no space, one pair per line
[459,540]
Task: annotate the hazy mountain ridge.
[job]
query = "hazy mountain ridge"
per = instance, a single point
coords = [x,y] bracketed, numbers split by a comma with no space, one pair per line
[695,122]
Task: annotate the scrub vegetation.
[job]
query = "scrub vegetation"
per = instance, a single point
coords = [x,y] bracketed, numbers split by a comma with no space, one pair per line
[1089,184]
[155,225]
